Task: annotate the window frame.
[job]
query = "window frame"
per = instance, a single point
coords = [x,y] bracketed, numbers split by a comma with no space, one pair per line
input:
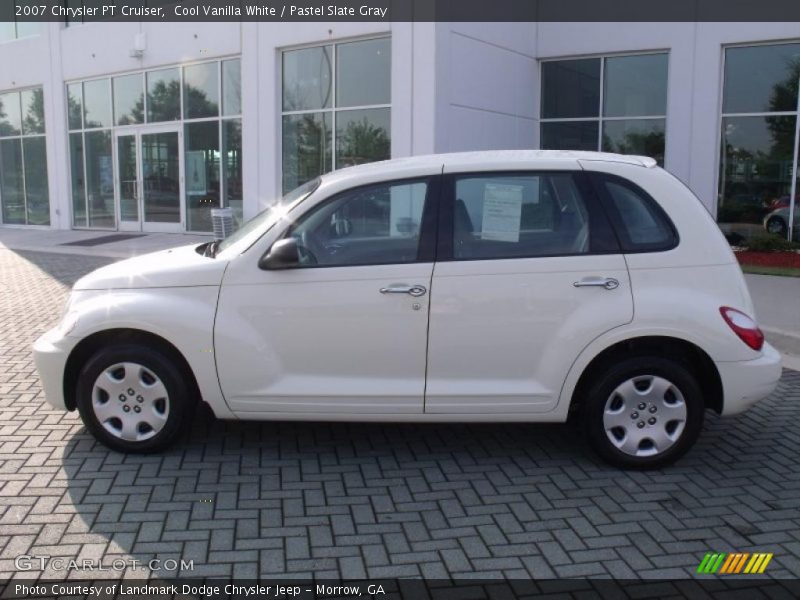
[601,118]
[426,249]
[602,238]
[20,138]
[334,108]
[721,116]
[181,123]
[627,246]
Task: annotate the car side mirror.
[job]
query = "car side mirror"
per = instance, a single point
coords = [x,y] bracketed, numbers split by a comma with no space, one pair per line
[282,255]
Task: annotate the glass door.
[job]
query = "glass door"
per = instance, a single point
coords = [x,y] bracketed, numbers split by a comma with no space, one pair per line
[149,179]
[128,182]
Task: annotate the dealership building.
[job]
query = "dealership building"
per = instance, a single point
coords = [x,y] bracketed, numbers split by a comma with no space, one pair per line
[148,126]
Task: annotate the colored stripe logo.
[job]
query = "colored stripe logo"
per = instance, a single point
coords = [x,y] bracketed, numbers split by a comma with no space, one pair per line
[734,563]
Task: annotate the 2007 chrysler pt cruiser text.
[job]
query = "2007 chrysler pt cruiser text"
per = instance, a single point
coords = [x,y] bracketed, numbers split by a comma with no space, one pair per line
[516,286]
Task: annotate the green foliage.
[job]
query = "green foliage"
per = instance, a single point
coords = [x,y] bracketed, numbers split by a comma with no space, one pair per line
[768,242]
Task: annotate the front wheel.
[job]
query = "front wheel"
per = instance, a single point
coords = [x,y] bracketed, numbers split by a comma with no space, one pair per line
[133,398]
[644,412]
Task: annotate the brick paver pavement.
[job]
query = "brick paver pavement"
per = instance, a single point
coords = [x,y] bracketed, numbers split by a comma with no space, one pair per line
[365,500]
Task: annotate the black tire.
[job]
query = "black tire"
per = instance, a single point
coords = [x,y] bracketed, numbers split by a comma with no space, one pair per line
[607,382]
[179,399]
[777,226]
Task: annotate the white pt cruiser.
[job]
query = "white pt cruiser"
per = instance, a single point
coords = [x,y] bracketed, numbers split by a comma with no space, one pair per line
[518,286]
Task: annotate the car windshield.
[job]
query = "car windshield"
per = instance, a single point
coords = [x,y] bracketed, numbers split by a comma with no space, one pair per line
[248,233]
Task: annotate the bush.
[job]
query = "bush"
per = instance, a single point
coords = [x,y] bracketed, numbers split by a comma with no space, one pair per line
[768,242]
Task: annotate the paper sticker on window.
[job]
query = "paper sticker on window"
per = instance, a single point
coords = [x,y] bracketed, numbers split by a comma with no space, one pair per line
[502,212]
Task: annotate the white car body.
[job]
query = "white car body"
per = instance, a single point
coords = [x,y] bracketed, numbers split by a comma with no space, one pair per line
[493,340]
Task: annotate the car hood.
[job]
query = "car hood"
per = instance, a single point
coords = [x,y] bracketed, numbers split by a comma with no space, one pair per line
[176,267]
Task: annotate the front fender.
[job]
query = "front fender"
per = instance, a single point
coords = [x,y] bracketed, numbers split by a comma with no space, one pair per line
[184,316]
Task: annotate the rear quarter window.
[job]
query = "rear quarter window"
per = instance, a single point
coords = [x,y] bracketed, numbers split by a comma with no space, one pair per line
[640,223]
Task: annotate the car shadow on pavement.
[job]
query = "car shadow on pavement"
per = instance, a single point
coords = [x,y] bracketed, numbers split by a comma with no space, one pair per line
[346,500]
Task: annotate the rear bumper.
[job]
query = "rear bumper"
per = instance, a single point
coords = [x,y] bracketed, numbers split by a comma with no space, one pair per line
[746,382]
[50,354]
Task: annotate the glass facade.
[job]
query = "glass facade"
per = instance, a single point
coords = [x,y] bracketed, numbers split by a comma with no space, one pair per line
[24,194]
[143,166]
[759,141]
[612,103]
[336,102]
[9,30]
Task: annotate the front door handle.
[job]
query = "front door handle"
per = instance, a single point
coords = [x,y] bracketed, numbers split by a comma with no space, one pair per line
[401,288]
[608,283]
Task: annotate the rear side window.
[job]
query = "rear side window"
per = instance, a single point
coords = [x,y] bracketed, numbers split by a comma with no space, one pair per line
[641,225]
[519,215]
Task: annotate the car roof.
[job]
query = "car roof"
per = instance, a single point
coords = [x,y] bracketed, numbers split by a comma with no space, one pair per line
[487,159]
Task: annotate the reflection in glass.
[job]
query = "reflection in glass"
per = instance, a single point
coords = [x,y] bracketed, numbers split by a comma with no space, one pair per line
[74,105]
[574,135]
[128,178]
[232,164]
[12,190]
[96,104]
[761,78]
[755,171]
[644,137]
[99,179]
[201,90]
[163,95]
[232,87]
[128,99]
[363,73]
[306,148]
[37,198]
[307,79]
[635,86]
[571,88]
[76,175]
[362,136]
[10,118]
[161,177]
[201,144]
[32,111]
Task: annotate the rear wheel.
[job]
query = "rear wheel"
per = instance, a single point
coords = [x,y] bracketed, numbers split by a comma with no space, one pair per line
[133,398]
[644,412]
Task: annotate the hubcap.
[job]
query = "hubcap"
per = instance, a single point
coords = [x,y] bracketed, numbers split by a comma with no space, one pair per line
[130,402]
[645,415]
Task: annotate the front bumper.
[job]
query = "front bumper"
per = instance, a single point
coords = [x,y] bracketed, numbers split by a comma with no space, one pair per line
[50,353]
[746,382]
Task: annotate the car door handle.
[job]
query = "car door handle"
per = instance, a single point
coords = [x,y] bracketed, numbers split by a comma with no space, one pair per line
[400,288]
[608,283]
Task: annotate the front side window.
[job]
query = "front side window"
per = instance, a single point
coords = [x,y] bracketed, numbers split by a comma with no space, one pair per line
[613,104]
[376,224]
[336,108]
[517,216]
[24,193]
[758,154]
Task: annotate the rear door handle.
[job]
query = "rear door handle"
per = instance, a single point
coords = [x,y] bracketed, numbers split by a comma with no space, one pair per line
[401,288]
[608,283]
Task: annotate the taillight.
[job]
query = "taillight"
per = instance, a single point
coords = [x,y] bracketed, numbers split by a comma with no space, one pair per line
[743,326]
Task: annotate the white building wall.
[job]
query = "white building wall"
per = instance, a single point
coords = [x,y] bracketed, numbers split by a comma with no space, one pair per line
[486,86]
[455,86]
[694,92]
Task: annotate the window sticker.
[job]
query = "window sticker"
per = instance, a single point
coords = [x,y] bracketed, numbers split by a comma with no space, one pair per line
[502,212]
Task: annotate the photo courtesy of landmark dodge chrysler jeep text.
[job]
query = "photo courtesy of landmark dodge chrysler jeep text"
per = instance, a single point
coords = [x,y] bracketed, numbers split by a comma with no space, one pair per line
[508,286]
